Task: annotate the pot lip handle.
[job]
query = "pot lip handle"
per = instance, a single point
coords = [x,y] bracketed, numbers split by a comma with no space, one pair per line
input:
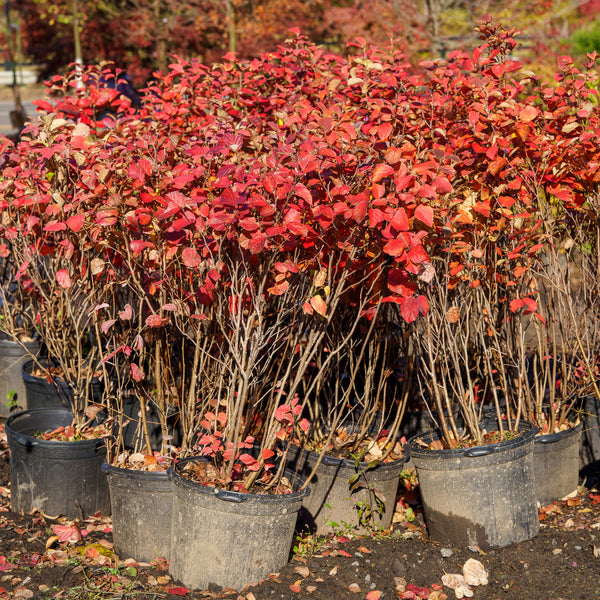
[228,496]
[24,440]
[548,438]
[474,452]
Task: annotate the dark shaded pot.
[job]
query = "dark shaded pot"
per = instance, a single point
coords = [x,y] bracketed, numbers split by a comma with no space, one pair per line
[13,356]
[556,464]
[141,503]
[482,496]
[58,478]
[42,393]
[228,538]
[332,503]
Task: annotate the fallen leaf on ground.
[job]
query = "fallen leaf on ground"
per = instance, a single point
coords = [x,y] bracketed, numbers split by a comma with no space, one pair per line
[334,570]
[400,584]
[422,592]
[67,533]
[311,588]
[374,595]
[301,570]
[178,591]
[458,584]
[475,573]
[295,587]
[354,587]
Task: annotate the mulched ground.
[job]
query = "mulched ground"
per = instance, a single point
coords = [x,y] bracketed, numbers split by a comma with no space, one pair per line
[561,563]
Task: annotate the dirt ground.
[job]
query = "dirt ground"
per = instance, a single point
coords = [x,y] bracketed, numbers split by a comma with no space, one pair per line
[561,563]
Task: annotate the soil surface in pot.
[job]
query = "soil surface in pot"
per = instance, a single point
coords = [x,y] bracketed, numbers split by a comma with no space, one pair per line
[42,557]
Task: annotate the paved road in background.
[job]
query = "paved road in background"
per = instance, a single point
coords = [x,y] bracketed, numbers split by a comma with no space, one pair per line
[5,108]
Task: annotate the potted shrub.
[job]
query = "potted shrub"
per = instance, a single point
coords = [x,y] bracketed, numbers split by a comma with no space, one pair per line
[491,237]
[19,340]
[47,199]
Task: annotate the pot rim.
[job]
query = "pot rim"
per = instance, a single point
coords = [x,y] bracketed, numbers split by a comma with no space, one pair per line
[528,429]
[30,440]
[233,496]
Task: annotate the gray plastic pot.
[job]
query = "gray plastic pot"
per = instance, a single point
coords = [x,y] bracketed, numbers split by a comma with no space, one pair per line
[228,538]
[556,464]
[58,478]
[332,504]
[13,356]
[482,496]
[141,503]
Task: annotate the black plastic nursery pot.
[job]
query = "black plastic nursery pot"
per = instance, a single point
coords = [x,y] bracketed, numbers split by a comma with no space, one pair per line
[482,496]
[13,356]
[58,478]
[228,538]
[332,504]
[42,393]
[141,503]
[556,464]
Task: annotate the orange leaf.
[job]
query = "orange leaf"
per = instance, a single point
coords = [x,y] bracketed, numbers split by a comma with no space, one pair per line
[374,595]
[319,305]
[529,113]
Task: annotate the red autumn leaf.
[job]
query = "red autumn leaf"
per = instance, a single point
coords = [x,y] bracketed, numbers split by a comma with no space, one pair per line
[530,305]
[156,321]
[409,309]
[267,454]
[126,313]
[421,592]
[400,220]
[373,595]
[106,325]
[283,413]
[399,283]
[251,463]
[55,226]
[191,258]
[295,588]
[107,217]
[178,591]
[516,304]
[395,247]
[63,279]
[76,222]
[136,372]
[424,214]
[381,171]
[279,288]
[442,185]
[67,533]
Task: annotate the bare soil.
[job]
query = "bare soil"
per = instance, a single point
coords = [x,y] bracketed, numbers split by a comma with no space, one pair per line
[561,563]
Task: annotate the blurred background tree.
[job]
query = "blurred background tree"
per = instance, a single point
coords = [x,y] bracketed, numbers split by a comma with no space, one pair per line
[139,35]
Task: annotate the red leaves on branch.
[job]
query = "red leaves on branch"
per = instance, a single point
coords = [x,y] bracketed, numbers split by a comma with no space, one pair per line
[333,177]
